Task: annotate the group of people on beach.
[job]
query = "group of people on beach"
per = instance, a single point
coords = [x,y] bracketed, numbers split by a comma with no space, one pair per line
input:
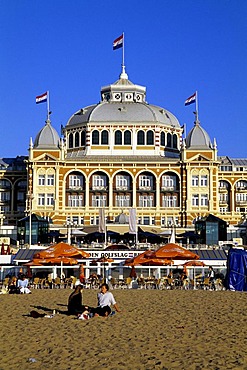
[103,309]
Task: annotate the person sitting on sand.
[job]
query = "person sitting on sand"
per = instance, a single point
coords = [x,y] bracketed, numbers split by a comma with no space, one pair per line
[12,286]
[22,284]
[75,306]
[105,300]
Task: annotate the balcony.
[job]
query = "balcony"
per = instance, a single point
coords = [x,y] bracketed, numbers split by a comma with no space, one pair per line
[122,188]
[241,202]
[168,188]
[223,189]
[241,188]
[101,188]
[145,188]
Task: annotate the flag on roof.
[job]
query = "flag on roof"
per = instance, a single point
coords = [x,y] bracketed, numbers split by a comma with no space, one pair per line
[118,43]
[42,98]
[190,100]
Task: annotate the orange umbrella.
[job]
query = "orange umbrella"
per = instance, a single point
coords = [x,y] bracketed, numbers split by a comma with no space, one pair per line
[53,261]
[157,262]
[141,258]
[194,263]
[174,251]
[62,250]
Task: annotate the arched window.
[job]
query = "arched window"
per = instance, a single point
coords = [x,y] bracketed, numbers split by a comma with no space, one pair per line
[175,141]
[169,140]
[104,137]
[77,141]
[95,137]
[162,139]
[150,138]
[118,137]
[71,140]
[127,138]
[140,138]
[83,138]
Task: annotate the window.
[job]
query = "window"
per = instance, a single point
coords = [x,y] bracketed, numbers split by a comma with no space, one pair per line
[145,201]
[41,180]
[75,201]
[127,138]
[5,196]
[204,200]
[122,181]
[162,139]
[175,141]
[195,200]
[150,138]
[75,181]
[99,201]
[104,137]
[41,199]
[50,199]
[83,138]
[204,180]
[95,137]
[4,184]
[223,198]
[195,180]
[140,138]
[169,201]
[118,137]
[122,201]
[77,139]
[169,140]
[50,180]
[71,140]
[99,181]
[146,220]
[145,181]
[20,196]
[168,181]
[241,197]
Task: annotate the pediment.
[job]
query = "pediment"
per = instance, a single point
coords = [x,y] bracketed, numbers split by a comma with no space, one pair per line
[45,157]
[199,158]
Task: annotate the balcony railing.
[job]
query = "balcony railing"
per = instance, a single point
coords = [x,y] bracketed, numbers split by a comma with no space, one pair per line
[145,188]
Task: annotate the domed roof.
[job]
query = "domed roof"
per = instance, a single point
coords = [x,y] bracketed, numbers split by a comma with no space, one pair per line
[123,112]
[122,102]
[198,138]
[47,137]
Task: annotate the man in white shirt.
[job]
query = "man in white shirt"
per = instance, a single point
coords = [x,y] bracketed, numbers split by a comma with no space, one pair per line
[105,300]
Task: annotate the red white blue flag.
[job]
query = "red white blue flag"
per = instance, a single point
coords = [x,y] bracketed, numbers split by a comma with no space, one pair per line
[118,43]
[190,100]
[42,98]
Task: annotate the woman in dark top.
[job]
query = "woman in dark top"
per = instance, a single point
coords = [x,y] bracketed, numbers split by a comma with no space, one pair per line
[75,306]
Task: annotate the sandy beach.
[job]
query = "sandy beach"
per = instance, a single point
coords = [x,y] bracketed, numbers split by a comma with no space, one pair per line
[157,329]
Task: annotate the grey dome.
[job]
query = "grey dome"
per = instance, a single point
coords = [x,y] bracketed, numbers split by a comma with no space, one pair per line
[47,138]
[198,138]
[123,102]
[123,112]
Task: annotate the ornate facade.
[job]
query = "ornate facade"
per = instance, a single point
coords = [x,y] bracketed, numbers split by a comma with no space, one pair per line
[124,153]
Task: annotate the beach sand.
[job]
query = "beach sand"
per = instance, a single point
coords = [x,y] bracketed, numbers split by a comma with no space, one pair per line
[157,329]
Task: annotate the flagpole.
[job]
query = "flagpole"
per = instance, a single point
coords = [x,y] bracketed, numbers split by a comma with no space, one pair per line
[197,113]
[123,52]
[48,105]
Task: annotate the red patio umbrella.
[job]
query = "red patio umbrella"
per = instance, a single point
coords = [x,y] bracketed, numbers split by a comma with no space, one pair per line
[174,251]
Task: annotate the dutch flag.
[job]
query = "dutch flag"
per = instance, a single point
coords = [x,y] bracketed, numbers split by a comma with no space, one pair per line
[42,98]
[118,43]
[190,100]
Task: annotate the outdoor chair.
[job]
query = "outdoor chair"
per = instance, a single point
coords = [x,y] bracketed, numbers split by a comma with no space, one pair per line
[57,282]
[36,283]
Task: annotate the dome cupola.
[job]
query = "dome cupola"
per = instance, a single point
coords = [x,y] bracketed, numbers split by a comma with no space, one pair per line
[47,138]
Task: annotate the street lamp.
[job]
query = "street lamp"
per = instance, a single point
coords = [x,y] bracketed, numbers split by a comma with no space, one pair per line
[22,233]
[69,224]
[30,199]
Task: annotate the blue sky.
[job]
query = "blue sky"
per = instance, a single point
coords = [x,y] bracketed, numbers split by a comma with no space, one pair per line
[172,47]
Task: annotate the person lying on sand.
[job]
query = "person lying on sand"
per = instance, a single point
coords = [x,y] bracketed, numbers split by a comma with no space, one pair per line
[105,300]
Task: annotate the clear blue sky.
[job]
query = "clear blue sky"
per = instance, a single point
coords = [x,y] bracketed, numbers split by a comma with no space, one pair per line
[172,47]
